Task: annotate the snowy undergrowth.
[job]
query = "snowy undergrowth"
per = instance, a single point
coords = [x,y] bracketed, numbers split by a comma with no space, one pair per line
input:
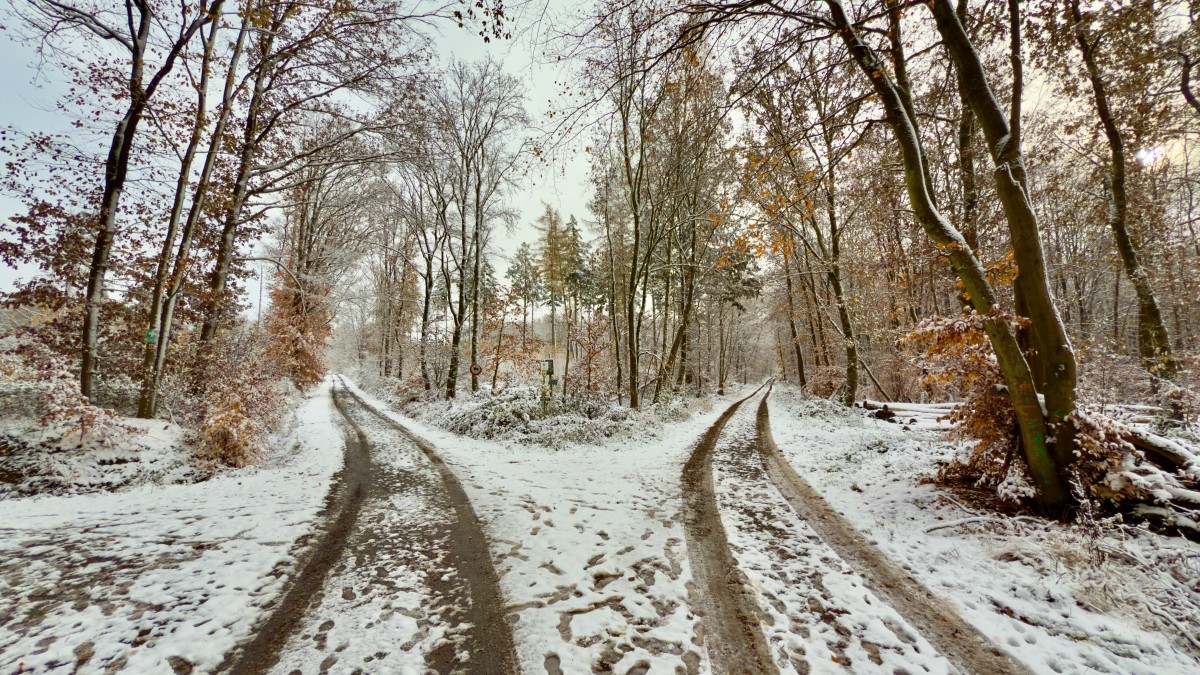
[1065,599]
[36,459]
[517,414]
[156,579]
[589,545]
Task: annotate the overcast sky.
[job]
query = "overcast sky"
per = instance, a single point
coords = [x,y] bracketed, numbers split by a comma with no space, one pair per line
[29,99]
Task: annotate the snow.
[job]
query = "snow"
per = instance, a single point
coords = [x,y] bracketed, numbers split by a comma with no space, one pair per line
[158,578]
[590,549]
[822,617]
[151,451]
[1062,599]
[588,543]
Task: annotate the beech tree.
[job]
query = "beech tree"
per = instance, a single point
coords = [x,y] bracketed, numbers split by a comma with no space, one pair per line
[149,41]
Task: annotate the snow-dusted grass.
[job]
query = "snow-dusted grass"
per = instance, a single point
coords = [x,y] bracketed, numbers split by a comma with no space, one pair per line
[588,543]
[1062,599]
[159,578]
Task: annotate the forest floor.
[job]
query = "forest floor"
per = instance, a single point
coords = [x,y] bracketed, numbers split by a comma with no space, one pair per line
[771,534]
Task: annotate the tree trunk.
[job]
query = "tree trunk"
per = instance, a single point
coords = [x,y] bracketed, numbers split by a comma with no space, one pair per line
[166,287]
[219,279]
[791,304]
[1051,341]
[1154,345]
[116,170]
[1052,491]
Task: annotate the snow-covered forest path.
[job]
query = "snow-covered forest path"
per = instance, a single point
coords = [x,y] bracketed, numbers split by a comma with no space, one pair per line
[411,585]
[788,585]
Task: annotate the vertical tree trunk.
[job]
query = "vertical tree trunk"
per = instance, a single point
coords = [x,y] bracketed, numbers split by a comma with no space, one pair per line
[1154,345]
[426,302]
[476,243]
[219,279]
[167,286]
[116,167]
[1003,138]
[791,308]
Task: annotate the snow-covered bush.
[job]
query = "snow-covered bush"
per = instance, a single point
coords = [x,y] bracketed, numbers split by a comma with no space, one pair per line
[518,414]
[242,401]
[53,441]
[50,393]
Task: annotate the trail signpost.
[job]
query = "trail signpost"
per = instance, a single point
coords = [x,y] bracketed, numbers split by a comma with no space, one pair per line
[548,382]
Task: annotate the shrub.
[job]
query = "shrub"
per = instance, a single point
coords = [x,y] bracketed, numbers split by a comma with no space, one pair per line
[51,392]
[826,381]
[1106,466]
[241,403]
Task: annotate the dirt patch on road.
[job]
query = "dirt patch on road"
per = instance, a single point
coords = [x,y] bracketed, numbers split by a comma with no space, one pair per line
[936,620]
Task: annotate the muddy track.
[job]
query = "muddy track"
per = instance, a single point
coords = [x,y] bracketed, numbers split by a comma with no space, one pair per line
[486,633]
[342,508]
[927,613]
[730,616]
[480,640]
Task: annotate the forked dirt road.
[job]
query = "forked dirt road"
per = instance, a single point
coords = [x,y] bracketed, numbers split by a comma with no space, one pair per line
[401,579]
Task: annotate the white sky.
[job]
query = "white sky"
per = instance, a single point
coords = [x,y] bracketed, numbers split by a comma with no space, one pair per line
[29,105]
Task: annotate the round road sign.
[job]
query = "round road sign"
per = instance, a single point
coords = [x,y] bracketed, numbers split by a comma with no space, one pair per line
[476,369]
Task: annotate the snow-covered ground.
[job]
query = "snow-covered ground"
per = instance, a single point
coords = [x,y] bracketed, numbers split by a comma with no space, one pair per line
[159,578]
[146,451]
[590,549]
[1061,599]
[589,546]
[822,617]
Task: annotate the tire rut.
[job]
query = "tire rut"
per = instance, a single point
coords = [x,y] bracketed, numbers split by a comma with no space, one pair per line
[730,615]
[340,515]
[486,634]
[452,553]
[927,613]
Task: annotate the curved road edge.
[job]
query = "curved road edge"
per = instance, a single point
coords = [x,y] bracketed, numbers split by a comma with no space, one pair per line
[928,613]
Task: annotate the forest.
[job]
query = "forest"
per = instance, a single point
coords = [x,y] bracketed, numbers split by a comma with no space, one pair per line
[992,202]
[981,207]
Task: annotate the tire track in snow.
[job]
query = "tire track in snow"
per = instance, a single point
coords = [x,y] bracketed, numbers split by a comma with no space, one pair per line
[342,507]
[932,616]
[817,615]
[730,614]
[485,632]
[400,574]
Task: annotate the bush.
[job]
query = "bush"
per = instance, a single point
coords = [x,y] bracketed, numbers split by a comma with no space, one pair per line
[826,381]
[958,354]
[50,394]
[241,403]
